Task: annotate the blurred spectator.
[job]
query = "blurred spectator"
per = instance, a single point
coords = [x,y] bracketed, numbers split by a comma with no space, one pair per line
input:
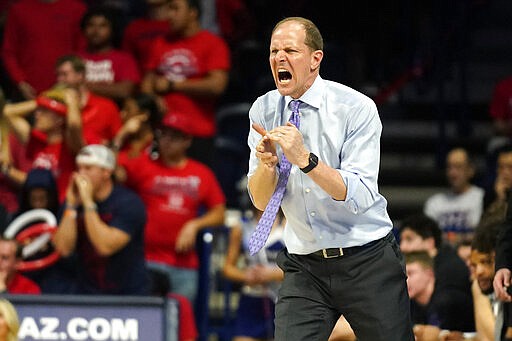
[495,200]
[259,275]
[421,233]
[500,111]
[458,210]
[104,224]
[486,305]
[230,19]
[189,68]
[434,308]
[463,249]
[41,29]
[9,321]
[8,189]
[100,116]
[11,281]
[182,197]
[54,138]
[140,115]
[502,277]
[39,191]
[140,33]
[110,72]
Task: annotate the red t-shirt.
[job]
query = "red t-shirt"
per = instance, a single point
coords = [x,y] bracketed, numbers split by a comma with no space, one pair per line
[56,157]
[110,67]
[501,102]
[100,120]
[190,58]
[36,34]
[23,285]
[172,197]
[139,35]
[9,191]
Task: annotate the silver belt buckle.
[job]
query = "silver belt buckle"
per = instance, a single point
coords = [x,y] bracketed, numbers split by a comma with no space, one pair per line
[324,251]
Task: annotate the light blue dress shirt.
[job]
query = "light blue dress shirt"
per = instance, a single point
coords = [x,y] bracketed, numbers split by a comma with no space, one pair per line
[342,127]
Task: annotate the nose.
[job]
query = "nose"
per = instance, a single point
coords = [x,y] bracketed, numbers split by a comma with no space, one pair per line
[280,55]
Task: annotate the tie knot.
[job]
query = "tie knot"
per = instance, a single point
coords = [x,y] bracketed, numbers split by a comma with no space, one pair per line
[295,105]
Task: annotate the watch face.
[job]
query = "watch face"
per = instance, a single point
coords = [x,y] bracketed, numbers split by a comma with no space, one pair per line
[313,159]
[313,162]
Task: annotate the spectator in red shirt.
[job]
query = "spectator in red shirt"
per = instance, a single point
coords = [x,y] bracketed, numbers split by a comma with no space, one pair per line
[11,281]
[100,116]
[189,70]
[182,197]
[140,32]
[500,110]
[110,72]
[140,116]
[54,138]
[46,29]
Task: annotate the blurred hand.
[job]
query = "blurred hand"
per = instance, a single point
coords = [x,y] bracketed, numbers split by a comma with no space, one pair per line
[187,237]
[85,189]
[27,90]
[452,336]
[162,85]
[71,97]
[133,124]
[424,332]
[500,283]
[72,197]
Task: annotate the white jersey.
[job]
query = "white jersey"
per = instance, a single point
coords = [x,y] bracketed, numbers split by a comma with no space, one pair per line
[459,213]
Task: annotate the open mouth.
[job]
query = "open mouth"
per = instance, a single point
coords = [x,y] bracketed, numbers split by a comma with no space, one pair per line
[284,76]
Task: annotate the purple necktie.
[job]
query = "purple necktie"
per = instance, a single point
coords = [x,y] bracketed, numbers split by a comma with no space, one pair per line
[262,231]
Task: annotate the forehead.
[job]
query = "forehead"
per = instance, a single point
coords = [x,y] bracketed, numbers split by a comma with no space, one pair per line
[477,256]
[505,158]
[409,233]
[457,156]
[7,245]
[290,31]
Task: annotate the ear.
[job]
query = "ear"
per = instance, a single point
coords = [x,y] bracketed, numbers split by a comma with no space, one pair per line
[316,59]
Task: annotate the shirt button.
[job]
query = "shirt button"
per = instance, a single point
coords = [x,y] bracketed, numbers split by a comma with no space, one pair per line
[308,190]
[312,214]
[320,237]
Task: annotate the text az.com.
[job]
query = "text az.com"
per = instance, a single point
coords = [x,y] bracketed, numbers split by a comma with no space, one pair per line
[78,328]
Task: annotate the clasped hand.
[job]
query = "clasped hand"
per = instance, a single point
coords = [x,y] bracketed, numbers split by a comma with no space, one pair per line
[79,190]
[290,140]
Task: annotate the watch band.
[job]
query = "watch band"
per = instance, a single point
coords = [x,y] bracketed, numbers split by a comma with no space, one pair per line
[313,162]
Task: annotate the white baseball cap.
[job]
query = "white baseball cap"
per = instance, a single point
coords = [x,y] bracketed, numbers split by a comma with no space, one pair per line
[97,155]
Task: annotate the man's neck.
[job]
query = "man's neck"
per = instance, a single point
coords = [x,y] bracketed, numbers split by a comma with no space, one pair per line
[191,30]
[462,190]
[99,48]
[177,161]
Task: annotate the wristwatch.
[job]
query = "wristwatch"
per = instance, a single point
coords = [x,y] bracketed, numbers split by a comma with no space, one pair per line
[313,162]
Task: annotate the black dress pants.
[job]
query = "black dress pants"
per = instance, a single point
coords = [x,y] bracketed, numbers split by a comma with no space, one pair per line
[368,287]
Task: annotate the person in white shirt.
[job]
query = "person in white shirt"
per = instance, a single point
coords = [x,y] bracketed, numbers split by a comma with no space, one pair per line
[458,210]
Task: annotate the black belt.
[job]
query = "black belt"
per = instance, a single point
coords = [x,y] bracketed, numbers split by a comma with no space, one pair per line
[347,251]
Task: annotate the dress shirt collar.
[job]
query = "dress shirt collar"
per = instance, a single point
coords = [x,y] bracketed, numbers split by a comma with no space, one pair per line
[313,96]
